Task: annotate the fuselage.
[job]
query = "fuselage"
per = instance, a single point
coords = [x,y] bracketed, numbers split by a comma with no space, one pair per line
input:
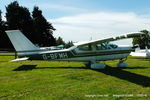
[84,54]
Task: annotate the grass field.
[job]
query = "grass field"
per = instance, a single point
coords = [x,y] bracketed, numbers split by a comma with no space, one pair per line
[52,80]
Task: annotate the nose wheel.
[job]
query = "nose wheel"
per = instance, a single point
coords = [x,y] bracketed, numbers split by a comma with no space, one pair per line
[122,64]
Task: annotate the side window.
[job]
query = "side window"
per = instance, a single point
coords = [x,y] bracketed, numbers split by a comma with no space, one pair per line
[100,46]
[113,46]
[105,46]
[85,47]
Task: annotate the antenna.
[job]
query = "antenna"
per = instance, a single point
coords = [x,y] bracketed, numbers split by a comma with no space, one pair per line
[91,38]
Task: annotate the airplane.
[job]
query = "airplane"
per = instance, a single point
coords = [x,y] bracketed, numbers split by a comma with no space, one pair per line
[87,52]
[141,52]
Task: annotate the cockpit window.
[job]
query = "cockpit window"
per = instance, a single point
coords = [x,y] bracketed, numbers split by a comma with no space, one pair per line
[100,46]
[86,47]
[113,45]
[105,46]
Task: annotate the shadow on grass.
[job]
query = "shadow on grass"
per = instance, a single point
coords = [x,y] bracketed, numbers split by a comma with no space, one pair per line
[125,75]
[131,67]
[25,68]
[112,71]
[30,67]
[61,68]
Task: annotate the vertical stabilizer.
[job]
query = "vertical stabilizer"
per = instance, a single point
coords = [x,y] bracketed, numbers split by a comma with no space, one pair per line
[20,42]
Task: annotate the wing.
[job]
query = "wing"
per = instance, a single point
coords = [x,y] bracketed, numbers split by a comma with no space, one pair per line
[125,36]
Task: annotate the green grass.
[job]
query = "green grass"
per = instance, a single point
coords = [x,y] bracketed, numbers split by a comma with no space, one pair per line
[37,80]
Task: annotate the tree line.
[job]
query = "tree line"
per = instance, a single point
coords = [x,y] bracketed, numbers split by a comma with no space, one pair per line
[60,41]
[33,25]
[142,41]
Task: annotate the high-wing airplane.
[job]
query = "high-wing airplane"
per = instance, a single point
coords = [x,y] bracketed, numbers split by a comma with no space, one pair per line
[88,52]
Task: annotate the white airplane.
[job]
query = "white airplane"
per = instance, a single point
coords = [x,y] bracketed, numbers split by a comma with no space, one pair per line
[141,52]
[87,52]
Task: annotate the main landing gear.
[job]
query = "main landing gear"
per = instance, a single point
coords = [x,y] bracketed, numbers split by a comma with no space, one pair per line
[95,65]
[122,64]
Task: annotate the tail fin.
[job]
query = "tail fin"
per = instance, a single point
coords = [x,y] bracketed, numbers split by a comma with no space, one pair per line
[20,42]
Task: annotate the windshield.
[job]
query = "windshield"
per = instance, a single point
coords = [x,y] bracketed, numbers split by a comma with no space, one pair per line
[105,46]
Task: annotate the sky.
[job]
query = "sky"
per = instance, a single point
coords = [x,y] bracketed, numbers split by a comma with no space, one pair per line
[83,20]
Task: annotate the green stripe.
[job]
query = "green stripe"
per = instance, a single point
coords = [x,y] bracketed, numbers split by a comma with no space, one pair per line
[102,53]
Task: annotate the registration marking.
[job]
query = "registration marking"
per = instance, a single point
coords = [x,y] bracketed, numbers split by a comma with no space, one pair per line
[55,56]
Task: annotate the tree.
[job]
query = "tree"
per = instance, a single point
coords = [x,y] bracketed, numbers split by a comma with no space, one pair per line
[143,40]
[4,41]
[2,24]
[69,44]
[60,41]
[36,28]
[43,30]
[18,17]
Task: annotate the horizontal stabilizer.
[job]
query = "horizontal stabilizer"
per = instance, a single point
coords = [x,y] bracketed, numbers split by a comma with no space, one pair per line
[20,59]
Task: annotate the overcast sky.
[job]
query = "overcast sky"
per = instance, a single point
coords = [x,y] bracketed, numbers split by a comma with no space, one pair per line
[81,20]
